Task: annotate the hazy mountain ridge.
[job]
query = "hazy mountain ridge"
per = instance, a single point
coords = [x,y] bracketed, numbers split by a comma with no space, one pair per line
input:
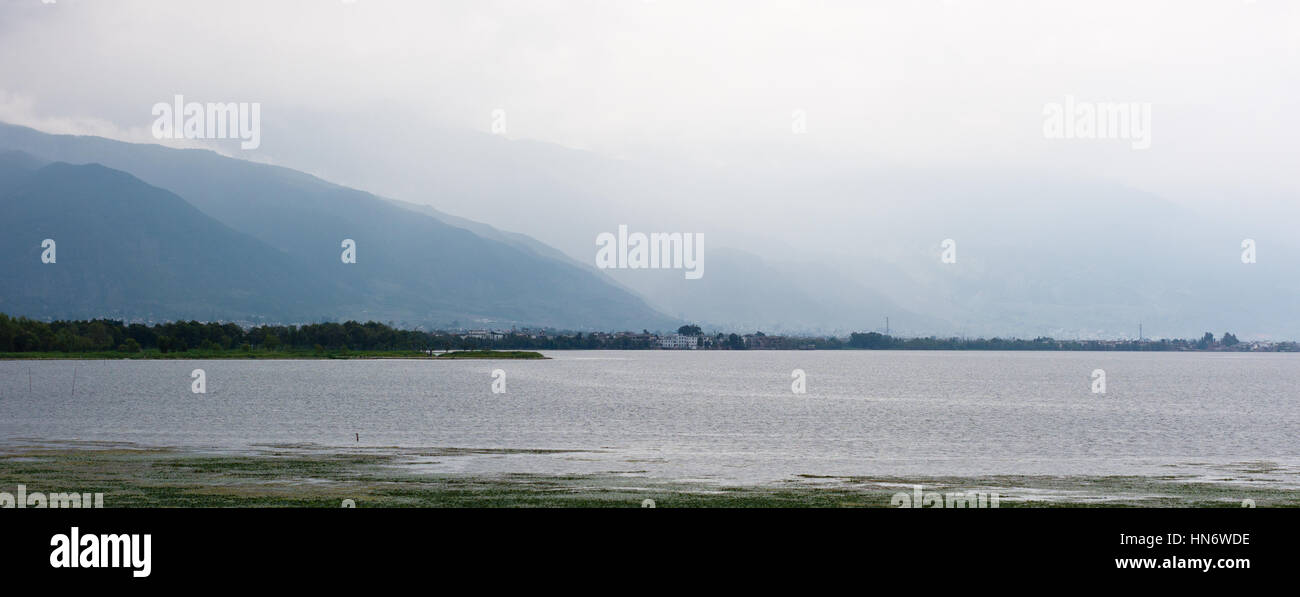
[1036,255]
[126,249]
[842,242]
[417,270]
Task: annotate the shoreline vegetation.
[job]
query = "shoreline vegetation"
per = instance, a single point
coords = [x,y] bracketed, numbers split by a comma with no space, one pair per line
[24,338]
[312,476]
[287,355]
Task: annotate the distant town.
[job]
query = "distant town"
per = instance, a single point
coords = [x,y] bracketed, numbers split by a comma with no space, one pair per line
[693,338]
[24,335]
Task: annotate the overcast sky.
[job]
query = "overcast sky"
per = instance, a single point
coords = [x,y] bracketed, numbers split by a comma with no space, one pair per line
[929,82]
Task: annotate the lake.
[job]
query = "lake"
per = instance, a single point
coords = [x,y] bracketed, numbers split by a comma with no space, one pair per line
[716,416]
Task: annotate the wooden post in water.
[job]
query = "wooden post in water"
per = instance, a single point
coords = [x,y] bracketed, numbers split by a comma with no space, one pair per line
[74,381]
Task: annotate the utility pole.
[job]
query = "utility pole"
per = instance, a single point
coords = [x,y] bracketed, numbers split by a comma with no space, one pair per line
[886,325]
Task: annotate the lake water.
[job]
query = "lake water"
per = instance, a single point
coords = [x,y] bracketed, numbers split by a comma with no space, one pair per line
[720,416]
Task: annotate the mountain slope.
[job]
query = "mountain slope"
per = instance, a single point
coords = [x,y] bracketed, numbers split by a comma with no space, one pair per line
[126,249]
[514,239]
[408,268]
[15,167]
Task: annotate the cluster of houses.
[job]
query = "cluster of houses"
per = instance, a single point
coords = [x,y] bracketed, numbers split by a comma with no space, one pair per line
[485,334]
[668,341]
[643,338]
[638,338]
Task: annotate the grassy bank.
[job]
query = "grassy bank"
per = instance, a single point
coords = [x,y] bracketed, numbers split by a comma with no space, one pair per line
[296,354]
[292,476]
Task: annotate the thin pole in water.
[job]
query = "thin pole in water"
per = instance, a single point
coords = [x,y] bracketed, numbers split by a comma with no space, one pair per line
[74,380]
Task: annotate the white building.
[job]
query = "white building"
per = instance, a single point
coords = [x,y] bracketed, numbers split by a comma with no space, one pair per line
[485,334]
[677,342]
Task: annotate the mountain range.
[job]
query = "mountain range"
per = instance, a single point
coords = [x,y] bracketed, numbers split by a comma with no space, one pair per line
[145,231]
[1036,255]
[801,239]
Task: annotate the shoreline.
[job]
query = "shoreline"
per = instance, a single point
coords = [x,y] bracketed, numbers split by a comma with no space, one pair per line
[274,356]
[511,354]
[307,476]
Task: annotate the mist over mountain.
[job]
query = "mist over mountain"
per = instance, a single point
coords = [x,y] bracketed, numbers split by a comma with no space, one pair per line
[1082,259]
[826,151]
[409,267]
[1036,254]
[832,244]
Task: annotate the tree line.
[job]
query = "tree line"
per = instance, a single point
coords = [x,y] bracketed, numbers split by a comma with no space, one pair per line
[21,334]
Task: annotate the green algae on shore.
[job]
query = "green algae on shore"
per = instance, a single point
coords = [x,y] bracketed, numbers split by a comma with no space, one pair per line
[293,476]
